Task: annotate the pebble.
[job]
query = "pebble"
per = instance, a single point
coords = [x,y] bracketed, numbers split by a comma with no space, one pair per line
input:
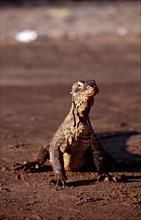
[4,189]
[18,177]
[36,217]
[3,169]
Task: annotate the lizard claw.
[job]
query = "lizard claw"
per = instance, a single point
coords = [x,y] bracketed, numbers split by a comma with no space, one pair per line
[60,181]
[59,184]
[106,177]
[27,166]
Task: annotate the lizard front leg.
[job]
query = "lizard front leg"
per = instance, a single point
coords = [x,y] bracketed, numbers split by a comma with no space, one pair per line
[102,161]
[34,165]
[56,158]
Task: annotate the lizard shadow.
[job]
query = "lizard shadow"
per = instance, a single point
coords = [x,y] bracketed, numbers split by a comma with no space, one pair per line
[116,145]
[88,182]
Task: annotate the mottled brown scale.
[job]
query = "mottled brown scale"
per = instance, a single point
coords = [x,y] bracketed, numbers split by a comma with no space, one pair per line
[68,148]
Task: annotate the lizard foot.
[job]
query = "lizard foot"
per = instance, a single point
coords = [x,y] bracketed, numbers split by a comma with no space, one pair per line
[60,181]
[106,177]
[59,184]
[32,166]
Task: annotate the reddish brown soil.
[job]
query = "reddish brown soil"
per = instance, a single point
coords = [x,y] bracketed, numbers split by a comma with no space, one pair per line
[36,82]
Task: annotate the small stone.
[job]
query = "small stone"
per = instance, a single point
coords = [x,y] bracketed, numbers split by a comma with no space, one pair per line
[3,169]
[18,177]
[6,189]
[36,217]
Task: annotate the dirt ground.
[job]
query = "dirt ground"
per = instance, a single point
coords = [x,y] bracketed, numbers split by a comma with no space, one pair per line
[35,98]
[36,82]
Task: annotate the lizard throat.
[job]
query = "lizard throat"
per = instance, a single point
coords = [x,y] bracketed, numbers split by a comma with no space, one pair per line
[82,108]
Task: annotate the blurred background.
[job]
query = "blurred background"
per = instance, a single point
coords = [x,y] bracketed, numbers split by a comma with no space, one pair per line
[87,38]
[45,47]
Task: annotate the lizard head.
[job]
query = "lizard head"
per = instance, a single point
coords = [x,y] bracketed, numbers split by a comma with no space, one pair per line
[87,88]
[83,93]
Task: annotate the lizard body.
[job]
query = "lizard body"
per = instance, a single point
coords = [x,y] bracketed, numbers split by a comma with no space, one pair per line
[75,136]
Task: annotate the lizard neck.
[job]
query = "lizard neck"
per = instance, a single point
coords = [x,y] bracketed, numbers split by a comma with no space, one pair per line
[80,111]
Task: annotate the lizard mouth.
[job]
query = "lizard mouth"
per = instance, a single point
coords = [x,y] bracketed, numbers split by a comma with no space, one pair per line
[92,91]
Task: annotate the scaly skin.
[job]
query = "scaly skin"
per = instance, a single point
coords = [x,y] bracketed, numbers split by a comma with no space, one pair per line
[75,136]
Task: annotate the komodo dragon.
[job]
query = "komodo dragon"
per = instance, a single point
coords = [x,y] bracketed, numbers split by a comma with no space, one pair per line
[68,148]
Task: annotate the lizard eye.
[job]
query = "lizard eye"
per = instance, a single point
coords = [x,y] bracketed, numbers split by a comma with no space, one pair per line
[80,84]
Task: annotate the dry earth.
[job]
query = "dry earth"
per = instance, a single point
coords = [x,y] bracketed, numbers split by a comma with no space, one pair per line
[36,82]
